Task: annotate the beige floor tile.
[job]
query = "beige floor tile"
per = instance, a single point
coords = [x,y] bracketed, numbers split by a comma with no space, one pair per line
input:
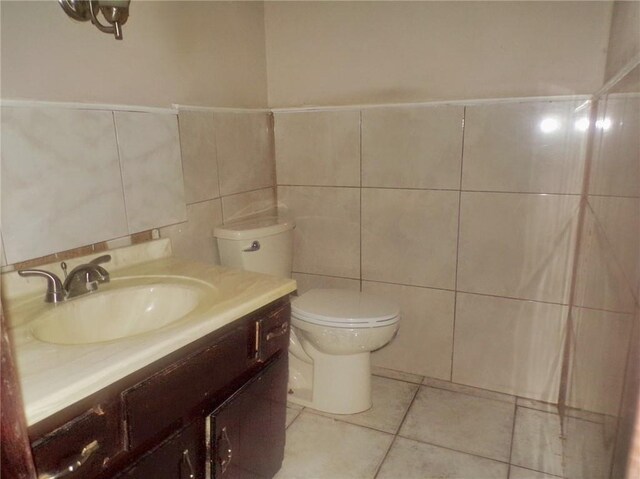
[399,375]
[521,473]
[537,443]
[391,399]
[462,422]
[461,388]
[319,447]
[292,414]
[411,460]
[588,449]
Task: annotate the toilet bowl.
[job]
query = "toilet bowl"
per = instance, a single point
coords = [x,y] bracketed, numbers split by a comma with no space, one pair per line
[333,331]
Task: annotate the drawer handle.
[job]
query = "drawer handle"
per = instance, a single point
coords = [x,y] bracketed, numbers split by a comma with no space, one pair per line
[76,463]
[282,330]
[224,462]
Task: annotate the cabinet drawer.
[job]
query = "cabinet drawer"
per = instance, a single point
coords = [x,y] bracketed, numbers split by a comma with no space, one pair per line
[272,332]
[181,456]
[156,404]
[88,442]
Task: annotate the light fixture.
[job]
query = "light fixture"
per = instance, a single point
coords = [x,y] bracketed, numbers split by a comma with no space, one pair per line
[115,12]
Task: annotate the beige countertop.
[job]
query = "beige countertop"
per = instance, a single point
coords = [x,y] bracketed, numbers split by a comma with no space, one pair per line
[54,376]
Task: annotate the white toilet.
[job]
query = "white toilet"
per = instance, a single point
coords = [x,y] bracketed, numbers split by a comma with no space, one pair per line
[333,330]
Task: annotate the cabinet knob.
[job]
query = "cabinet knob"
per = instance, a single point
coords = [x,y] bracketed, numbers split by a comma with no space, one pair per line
[186,465]
[75,463]
[224,461]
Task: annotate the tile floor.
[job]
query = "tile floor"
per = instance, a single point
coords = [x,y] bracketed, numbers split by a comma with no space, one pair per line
[426,428]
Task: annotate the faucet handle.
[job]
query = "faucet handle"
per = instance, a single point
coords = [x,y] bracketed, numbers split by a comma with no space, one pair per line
[101,259]
[55,291]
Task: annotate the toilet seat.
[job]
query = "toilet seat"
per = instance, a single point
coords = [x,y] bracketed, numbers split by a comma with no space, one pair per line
[340,308]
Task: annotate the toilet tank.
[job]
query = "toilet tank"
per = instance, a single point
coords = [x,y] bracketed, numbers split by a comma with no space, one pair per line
[263,244]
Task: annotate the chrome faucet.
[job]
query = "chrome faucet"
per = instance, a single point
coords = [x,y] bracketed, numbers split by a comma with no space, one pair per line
[82,279]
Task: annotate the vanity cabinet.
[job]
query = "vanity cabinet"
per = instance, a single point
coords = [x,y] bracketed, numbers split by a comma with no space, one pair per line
[153,424]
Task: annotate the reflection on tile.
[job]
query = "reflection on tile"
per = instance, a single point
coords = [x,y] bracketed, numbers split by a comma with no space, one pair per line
[149,148]
[409,236]
[409,459]
[532,147]
[398,375]
[461,388]
[321,447]
[516,472]
[327,234]
[391,399]
[615,166]
[318,148]
[458,421]
[424,340]
[194,239]
[517,245]
[537,442]
[46,170]
[313,281]
[412,147]
[509,345]
[250,203]
[292,414]
[244,151]
[588,449]
[599,359]
[198,146]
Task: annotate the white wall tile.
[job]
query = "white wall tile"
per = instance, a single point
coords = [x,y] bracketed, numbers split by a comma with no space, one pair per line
[318,148]
[425,339]
[313,281]
[507,147]
[517,245]
[61,185]
[198,147]
[327,234]
[412,147]
[193,239]
[409,236]
[599,360]
[244,143]
[149,146]
[509,345]
[249,203]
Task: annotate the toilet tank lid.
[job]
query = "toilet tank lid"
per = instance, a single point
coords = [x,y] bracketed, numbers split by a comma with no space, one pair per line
[343,305]
[254,227]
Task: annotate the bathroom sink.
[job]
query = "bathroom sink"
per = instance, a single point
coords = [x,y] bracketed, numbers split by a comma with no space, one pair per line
[120,312]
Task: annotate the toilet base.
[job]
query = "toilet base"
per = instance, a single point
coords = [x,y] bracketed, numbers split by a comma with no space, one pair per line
[340,384]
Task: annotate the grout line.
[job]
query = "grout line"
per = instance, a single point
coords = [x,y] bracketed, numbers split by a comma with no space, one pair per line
[534,470]
[455,190]
[455,294]
[513,432]
[217,164]
[360,230]
[384,458]
[124,195]
[470,393]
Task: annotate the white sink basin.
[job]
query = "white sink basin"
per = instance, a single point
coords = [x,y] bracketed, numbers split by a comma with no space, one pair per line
[119,313]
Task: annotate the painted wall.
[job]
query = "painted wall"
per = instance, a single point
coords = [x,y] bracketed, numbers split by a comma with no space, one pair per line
[194,53]
[340,53]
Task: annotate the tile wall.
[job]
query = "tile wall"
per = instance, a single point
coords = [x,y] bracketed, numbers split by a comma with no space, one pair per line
[604,354]
[75,177]
[465,215]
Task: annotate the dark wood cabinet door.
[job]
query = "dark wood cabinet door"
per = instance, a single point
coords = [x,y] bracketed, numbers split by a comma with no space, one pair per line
[181,456]
[248,430]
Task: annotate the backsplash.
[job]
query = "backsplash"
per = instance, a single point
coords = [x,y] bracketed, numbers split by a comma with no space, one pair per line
[463,213]
[76,177]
